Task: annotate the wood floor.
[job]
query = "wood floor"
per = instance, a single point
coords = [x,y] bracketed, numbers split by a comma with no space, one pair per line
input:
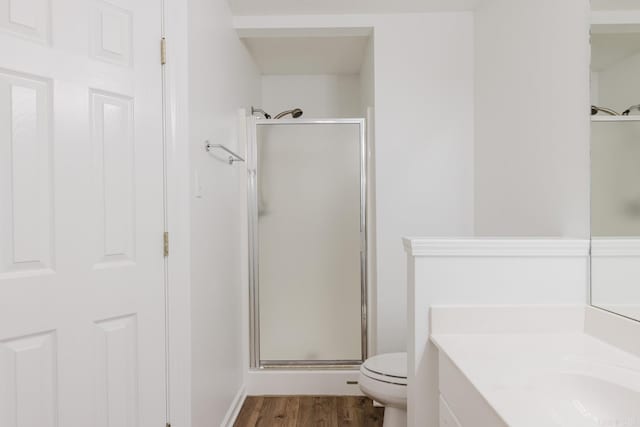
[309,411]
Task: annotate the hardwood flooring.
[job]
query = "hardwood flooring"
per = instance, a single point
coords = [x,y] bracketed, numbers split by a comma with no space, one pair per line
[309,411]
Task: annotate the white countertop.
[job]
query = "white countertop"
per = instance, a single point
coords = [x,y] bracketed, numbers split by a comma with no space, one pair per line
[538,380]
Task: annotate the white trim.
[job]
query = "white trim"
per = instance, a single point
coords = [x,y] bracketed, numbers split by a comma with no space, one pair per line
[615,247]
[234,409]
[275,122]
[372,279]
[243,140]
[178,192]
[491,247]
[302,382]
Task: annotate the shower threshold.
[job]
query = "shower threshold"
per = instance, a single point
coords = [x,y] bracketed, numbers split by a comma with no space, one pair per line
[310,364]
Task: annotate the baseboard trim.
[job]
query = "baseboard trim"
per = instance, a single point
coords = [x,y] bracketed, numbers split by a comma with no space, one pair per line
[234,409]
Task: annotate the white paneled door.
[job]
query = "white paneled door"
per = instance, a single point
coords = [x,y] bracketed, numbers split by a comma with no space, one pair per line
[82,321]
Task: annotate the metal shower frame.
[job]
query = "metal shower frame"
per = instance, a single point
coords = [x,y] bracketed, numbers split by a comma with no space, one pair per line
[252,200]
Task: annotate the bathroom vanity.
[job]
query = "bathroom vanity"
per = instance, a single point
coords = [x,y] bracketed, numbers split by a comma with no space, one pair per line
[500,335]
[491,376]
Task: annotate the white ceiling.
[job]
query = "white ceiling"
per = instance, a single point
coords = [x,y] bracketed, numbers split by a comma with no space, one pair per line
[308,55]
[607,49]
[313,7]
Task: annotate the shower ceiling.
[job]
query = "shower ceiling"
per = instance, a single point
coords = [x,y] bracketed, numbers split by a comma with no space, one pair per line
[308,55]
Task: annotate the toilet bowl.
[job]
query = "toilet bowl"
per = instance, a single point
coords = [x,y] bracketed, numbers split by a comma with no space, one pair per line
[384,379]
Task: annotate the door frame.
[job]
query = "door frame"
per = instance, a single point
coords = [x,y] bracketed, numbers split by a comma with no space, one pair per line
[177,218]
[252,214]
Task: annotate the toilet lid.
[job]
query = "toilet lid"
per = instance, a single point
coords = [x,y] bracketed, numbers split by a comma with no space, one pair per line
[389,367]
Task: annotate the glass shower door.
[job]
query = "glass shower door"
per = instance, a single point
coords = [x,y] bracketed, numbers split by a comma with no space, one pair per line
[309,234]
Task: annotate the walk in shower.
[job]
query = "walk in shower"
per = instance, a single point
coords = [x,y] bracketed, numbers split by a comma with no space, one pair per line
[307,242]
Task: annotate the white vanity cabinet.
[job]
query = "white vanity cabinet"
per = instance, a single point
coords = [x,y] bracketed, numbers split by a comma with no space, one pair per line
[461,405]
[541,379]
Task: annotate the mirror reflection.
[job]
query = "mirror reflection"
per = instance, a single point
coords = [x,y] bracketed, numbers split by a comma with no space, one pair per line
[615,169]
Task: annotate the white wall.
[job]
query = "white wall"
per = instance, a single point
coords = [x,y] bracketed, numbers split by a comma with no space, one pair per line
[222,78]
[424,146]
[319,96]
[532,120]
[423,72]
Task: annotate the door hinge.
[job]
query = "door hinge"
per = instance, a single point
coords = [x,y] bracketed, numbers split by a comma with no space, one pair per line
[165,240]
[163,51]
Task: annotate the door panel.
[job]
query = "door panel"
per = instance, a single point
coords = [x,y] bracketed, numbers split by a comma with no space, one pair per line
[111,33]
[30,19]
[82,339]
[112,128]
[25,168]
[116,371]
[28,364]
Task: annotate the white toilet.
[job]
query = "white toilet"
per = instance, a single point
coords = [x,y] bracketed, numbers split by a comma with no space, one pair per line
[384,379]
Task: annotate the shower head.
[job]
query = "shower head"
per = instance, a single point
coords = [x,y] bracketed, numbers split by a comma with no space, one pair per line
[295,113]
[630,109]
[595,110]
[261,111]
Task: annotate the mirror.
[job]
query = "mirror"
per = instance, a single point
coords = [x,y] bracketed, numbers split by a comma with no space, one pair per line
[615,169]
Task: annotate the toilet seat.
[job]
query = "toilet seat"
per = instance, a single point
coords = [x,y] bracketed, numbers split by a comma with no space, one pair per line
[388,368]
[384,379]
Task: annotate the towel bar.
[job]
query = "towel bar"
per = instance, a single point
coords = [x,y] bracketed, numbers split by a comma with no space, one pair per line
[233,157]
